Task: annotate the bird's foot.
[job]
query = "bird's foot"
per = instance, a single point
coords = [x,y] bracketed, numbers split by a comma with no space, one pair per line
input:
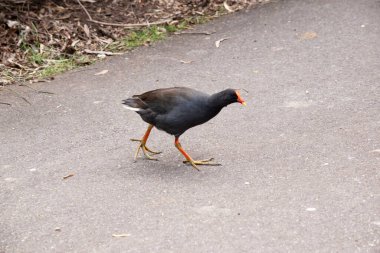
[145,150]
[208,162]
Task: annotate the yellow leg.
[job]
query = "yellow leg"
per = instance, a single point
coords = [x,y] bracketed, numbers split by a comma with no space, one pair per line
[143,146]
[190,160]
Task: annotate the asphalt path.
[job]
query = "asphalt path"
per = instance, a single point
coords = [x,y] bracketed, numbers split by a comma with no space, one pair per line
[300,166]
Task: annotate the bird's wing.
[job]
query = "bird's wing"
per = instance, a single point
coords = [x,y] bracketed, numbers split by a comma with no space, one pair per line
[163,100]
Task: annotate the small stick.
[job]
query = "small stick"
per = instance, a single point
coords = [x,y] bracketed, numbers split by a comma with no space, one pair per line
[19,95]
[38,91]
[197,33]
[121,25]
[132,25]
[88,51]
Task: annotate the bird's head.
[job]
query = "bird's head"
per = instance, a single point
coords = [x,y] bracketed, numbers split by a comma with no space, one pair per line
[239,98]
[233,96]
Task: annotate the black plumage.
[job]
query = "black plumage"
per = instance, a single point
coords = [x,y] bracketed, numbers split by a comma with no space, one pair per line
[175,110]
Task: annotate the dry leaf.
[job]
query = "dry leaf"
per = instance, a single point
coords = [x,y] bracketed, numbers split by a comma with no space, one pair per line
[308,36]
[69,175]
[227,7]
[121,235]
[105,71]
[217,43]
[86,30]
[186,62]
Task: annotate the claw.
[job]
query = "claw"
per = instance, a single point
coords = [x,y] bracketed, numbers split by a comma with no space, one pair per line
[145,150]
[202,162]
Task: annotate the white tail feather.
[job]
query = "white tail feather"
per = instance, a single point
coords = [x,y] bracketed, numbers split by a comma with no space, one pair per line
[131,108]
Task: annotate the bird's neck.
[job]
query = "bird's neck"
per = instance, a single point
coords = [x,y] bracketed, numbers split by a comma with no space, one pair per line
[218,101]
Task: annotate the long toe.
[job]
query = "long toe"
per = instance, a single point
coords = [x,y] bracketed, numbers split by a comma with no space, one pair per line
[203,162]
[147,156]
[146,148]
[152,152]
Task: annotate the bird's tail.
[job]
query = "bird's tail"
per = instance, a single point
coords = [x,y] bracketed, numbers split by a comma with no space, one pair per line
[134,104]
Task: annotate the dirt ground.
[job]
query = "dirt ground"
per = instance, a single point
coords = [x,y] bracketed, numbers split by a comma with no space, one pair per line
[34,34]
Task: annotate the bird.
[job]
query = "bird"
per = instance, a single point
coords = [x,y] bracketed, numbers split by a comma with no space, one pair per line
[175,110]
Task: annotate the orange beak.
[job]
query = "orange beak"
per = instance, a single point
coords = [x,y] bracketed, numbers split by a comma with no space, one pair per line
[240,99]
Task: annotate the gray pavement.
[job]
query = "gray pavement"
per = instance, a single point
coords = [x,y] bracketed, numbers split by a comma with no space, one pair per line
[300,163]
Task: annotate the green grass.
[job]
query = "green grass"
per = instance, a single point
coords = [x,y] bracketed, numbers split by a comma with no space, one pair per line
[139,38]
[154,33]
[51,62]
[57,67]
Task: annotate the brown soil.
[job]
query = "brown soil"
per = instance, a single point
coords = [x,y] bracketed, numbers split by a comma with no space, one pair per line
[64,28]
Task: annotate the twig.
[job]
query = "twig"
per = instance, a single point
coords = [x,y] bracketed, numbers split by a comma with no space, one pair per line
[18,95]
[38,91]
[2,103]
[121,25]
[133,25]
[88,51]
[217,43]
[85,10]
[196,33]
[82,69]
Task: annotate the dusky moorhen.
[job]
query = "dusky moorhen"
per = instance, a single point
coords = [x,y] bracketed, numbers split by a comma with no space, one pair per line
[174,110]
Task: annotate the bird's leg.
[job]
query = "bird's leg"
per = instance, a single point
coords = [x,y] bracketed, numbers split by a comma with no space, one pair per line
[190,160]
[143,146]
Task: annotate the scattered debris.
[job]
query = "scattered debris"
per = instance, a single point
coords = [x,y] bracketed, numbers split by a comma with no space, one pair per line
[38,91]
[227,7]
[308,36]
[87,51]
[196,33]
[217,43]
[68,176]
[43,38]
[18,95]
[105,71]
[311,209]
[10,179]
[121,235]
[186,62]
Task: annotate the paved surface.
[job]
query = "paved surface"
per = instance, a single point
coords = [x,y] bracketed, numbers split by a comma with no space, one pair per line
[300,164]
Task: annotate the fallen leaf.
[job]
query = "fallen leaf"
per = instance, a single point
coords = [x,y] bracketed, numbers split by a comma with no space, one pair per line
[12,24]
[121,235]
[86,30]
[69,175]
[105,71]
[227,7]
[308,36]
[186,62]
[217,43]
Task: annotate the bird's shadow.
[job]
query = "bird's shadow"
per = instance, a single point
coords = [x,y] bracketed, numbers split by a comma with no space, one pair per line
[164,170]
